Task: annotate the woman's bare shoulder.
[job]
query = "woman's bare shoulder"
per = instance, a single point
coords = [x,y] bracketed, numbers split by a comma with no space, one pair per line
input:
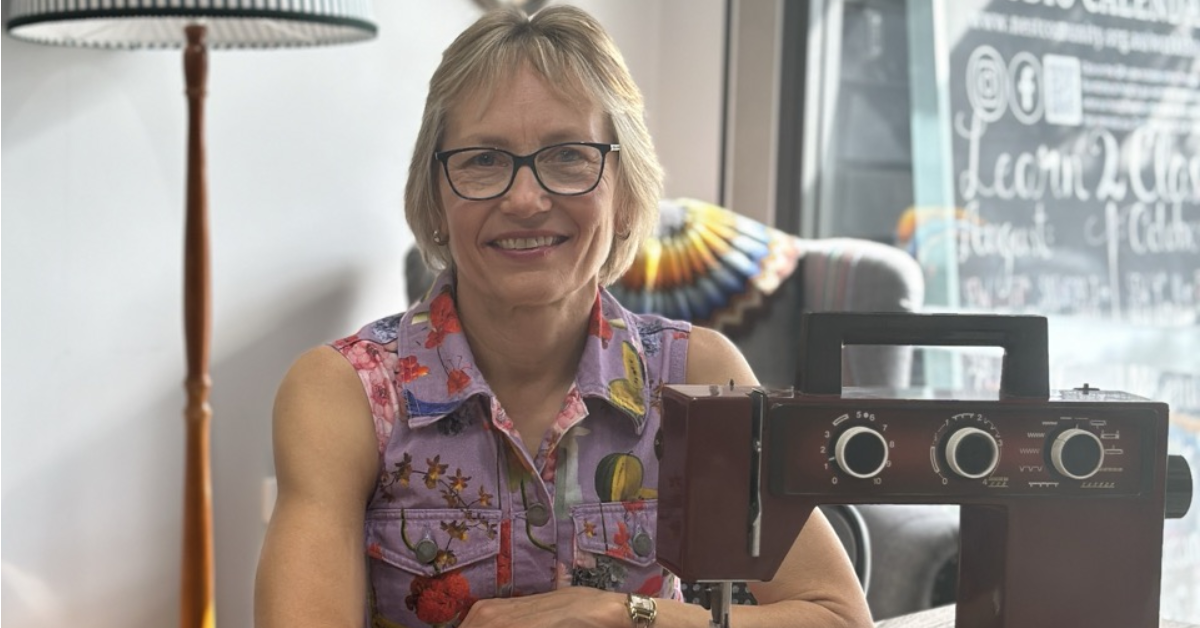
[714,359]
[322,415]
[320,365]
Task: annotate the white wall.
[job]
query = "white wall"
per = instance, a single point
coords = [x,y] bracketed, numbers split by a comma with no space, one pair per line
[675,50]
[685,106]
[308,151]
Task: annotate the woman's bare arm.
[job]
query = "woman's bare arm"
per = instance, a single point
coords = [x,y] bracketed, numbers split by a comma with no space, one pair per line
[312,570]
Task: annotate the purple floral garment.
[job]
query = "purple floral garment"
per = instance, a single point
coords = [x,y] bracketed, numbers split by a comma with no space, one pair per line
[462,512]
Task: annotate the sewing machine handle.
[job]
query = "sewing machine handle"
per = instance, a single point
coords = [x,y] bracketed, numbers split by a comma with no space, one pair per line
[1025,369]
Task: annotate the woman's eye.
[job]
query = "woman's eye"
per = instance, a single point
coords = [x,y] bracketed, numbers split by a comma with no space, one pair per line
[566,155]
[484,159]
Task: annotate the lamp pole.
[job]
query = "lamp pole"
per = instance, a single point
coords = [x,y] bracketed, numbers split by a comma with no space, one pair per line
[197,597]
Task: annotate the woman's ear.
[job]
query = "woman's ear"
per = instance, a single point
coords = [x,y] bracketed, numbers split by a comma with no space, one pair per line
[621,223]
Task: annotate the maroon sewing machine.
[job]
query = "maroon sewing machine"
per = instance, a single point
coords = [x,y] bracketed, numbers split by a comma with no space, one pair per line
[1062,493]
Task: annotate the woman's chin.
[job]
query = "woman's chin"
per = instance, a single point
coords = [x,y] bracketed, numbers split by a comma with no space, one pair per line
[530,287]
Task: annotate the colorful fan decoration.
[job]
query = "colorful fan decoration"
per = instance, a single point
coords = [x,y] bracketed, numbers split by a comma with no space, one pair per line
[706,264]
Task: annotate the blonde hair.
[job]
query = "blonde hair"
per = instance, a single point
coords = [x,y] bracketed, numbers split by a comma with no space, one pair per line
[570,50]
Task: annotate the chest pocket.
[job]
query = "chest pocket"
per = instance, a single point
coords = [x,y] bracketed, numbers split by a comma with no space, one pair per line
[615,548]
[430,565]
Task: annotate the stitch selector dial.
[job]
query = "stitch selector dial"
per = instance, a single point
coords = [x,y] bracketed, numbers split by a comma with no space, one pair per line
[972,453]
[967,446]
[1077,453]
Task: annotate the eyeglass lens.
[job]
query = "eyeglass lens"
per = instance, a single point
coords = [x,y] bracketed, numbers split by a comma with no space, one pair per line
[566,169]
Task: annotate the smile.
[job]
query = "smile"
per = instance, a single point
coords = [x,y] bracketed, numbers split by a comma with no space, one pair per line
[522,244]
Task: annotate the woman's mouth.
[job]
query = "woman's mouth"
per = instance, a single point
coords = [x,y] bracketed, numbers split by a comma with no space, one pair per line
[525,244]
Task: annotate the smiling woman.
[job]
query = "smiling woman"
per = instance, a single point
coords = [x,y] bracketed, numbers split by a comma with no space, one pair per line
[489,453]
[525,114]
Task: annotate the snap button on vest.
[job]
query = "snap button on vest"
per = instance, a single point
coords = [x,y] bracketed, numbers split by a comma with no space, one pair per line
[642,544]
[426,551]
[538,515]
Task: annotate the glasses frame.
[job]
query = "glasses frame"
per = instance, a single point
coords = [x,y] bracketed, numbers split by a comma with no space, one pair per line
[520,161]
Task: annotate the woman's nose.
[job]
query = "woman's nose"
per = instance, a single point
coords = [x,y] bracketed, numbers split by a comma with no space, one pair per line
[526,197]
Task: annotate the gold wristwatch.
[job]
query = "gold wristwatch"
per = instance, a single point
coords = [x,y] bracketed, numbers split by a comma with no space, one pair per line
[642,610]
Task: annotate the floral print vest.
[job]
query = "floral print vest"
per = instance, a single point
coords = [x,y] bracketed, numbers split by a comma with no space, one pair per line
[461,511]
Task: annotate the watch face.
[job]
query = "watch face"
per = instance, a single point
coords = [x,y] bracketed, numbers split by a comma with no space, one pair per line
[641,607]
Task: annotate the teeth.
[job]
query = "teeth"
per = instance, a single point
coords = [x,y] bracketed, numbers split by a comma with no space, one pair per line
[525,243]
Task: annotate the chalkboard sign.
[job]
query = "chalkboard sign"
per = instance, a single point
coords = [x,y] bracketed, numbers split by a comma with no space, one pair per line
[1056,154]
[1073,129]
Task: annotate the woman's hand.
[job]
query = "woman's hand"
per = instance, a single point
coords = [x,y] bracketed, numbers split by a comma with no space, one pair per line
[576,606]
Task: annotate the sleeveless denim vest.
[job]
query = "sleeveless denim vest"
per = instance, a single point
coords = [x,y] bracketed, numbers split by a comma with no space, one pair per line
[462,512]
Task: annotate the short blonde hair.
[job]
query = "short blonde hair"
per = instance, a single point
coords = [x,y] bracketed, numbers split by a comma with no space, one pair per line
[572,52]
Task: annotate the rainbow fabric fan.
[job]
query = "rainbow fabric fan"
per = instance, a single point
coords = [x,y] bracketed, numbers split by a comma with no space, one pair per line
[707,265]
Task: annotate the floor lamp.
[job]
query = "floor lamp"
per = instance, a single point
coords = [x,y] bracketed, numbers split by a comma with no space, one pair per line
[194,25]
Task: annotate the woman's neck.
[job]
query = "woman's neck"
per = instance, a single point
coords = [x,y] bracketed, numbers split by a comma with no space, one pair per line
[527,350]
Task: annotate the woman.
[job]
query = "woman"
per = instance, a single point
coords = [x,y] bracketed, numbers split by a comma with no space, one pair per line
[489,454]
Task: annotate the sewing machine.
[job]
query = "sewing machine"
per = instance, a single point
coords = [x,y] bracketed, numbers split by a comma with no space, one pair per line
[1062,493]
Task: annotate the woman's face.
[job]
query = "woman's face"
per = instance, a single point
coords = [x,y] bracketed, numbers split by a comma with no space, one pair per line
[529,246]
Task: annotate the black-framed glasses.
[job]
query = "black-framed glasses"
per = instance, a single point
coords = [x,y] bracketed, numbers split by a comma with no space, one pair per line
[479,173]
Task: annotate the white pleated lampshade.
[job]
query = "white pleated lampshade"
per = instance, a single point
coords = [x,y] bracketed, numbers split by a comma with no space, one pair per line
[130,24]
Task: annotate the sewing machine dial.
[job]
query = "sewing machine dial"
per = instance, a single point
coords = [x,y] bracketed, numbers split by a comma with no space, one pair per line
[856,445]
[966,446]
[1077,453]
